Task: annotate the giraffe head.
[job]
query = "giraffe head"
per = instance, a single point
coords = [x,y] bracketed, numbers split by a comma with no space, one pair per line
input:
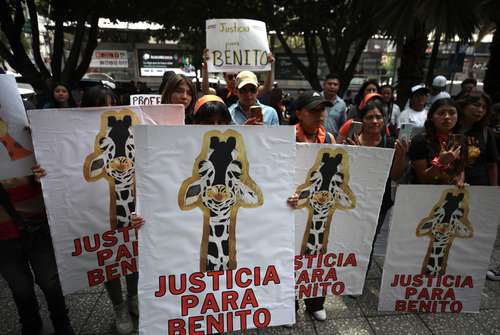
[220,177]
[115,151]
[448,218]
[327,186]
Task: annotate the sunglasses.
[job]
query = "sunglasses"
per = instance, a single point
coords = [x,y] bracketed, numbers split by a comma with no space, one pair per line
[251,89]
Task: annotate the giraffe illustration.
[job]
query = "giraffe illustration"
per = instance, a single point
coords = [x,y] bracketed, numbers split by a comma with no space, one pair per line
[447,220]
[14,149]
[113,159]
[325,190]
[220,184]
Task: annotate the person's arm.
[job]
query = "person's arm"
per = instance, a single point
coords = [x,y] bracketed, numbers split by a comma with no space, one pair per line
[205,88]
[399,163]
[268,83]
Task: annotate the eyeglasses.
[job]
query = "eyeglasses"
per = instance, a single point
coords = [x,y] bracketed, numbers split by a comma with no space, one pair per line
[246,89]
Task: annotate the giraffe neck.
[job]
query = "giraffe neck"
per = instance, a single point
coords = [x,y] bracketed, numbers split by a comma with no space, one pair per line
[436,257]
[317,231]
[218,239]
[125,202]
[14,149]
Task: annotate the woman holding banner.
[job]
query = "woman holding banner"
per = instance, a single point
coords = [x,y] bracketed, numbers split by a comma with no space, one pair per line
[61,97]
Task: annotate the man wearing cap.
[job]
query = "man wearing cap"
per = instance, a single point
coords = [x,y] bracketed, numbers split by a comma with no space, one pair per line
[337,113]
[247,86]
[438,90]
[415,113]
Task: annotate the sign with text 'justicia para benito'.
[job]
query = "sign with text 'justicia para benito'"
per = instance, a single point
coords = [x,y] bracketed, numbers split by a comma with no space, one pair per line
[439,248]
[237,44]
[217,249]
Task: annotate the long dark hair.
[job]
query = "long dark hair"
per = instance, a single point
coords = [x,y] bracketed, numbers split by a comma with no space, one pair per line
[360,95]
[371,105]
[53,102]
[209,109]
[472,98]
[96,96]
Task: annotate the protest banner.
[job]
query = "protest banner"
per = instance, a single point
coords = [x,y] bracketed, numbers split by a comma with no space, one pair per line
[237,44]
[89,190]
[145,99]
[16,149]
[216,251]
[340,190]
[440,242]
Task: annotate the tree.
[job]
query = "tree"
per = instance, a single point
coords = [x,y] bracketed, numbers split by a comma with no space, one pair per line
[409,24]
[491,77]
[338,30]
[80,18]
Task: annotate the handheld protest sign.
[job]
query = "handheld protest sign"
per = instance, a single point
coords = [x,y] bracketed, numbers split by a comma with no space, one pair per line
[16,149]
[89,190]
[217,249]
[339,190]
[145,99]
[439,248]
[237,44]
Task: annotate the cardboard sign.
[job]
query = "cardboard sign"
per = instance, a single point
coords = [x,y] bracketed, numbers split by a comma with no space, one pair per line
[89,190]
[217,249]
[340,190]
[16,149]
[237,44]
[440,243]
[145,99]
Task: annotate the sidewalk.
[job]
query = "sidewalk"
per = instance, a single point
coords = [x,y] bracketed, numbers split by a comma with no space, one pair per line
[91,313]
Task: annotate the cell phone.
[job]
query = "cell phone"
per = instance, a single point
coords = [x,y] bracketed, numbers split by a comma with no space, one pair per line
[354,128]
[256,112]
[455,140]
[408,131]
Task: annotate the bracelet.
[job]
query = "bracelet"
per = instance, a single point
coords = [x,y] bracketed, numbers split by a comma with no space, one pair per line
[443,167]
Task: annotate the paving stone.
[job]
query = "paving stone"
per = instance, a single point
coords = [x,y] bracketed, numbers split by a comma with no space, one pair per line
[490,320]
[490,296]
[354,326]
[409,324]
[101,320]
[306,328]
[380,261]
[342,307]
[368,301]
[449,323]
[9,319]
[374,271]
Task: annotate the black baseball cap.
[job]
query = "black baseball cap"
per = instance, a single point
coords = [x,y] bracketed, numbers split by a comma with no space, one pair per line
[311,100]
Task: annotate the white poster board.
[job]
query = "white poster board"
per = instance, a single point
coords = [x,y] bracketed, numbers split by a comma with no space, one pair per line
[237,44]
[440,243]
[16,149]
[145,99]
[198,269]
[340,190]
[88,155]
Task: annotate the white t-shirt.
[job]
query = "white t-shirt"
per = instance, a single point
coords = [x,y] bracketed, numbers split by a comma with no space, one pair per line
[410,115]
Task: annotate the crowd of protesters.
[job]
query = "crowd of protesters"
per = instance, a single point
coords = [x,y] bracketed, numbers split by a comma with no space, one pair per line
[454,141]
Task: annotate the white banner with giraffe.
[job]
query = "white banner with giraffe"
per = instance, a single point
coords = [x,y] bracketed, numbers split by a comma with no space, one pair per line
[89,191]
[217,246]
[340,190]
[439,248]
[16,149]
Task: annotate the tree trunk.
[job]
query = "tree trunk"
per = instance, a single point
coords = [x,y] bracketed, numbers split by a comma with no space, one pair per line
[491,77]
[411,70]
[432,61]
